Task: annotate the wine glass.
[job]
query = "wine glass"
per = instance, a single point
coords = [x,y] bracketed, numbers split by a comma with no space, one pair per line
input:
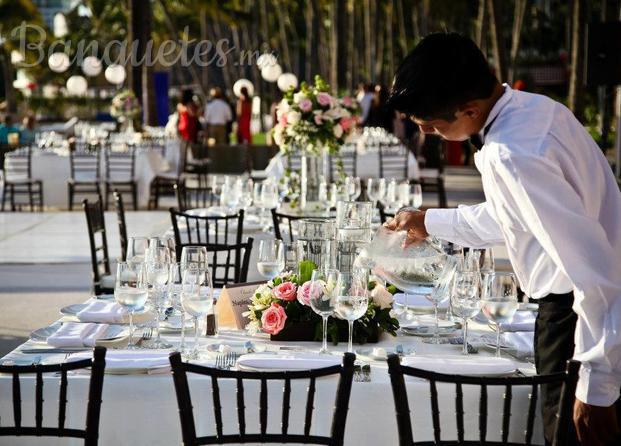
[486,262]
[271,261]
[167,242]
[245,193]
[354,189]
[441,292]
[269,198]
[376,188]
[333,197]
[158,272]
[131,292]
[466,299]
[390,199]
[136,249]
[175,287]
[193,255]
[416,195]
[322,298]
[291,256]
[196,299]
[499,301]
[352,298]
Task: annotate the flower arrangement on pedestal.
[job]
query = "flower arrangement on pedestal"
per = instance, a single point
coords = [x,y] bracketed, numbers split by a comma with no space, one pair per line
[311,121]
[281,308]
[125,107]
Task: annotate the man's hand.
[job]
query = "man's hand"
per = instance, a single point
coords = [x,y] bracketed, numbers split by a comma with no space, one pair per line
[595,425]
[411,221]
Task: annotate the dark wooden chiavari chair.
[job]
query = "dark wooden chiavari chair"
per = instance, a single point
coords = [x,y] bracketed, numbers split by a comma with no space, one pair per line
[288,221]
[91,432]
[344,163]
[393,161]
[120,174]
[192,229]
[85,164]
[339,416]
[18,180]
[103,280]
[120,218]
[397,373]
[166,182]
[194,197]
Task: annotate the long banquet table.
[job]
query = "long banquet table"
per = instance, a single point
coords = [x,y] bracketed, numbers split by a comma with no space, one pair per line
[142,409]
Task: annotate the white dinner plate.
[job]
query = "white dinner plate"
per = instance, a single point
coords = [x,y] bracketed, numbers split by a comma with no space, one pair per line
[113,333]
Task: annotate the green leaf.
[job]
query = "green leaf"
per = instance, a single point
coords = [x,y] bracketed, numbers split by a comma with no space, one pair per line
[306,269]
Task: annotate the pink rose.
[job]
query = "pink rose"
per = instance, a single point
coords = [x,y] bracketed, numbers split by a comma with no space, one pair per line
[283,120]
[285,291]
[324,99]
[273,319]
[304,293]
[348,101]
[305,105]
[318,119]
[346,123]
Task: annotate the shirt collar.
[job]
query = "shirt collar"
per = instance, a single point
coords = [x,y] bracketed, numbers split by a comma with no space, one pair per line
[495,111]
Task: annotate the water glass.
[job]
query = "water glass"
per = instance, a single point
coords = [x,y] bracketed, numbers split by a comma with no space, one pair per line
[271,261]
[376,189]
[175,288]
[193,255]
[158,273]
[322,298]
[352,298]
[196,299]
[136,249]
[131,292]
[441,292]
[465,299]
[167,242]
[499,302]
[291,256]
[354,188]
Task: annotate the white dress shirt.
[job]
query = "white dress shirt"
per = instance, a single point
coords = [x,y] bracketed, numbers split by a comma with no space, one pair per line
[552,199]
[218,112]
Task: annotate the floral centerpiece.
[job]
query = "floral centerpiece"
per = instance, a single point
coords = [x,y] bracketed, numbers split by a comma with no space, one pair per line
[125,107]
[281,308]
[309,122]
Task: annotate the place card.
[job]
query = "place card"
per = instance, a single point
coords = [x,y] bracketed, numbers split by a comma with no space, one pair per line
[233,302]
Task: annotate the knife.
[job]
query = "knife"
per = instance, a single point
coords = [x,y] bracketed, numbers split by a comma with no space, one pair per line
[38,351]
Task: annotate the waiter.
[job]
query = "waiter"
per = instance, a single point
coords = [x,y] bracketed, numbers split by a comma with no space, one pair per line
[550,198]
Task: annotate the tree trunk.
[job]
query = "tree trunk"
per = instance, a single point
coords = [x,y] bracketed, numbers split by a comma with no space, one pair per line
[342,29]
[403,41]
[349,49]
[576,78]
[334,46]
[149,102]
[8,76]
[416,34]
[518,21]
[368,37]
[310,37]
[136,31]
[498,47]
[390,49]
[204,26]
[480,24]
[282,32]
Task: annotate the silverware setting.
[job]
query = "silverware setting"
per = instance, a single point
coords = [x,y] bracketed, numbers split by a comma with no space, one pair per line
[226,361]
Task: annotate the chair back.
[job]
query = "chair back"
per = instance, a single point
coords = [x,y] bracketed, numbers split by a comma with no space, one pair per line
[18,164]
[228,159]
[397,372]
[120,218]
[85,163]
[120,166]
[289,222]
[293,161]
[343,163]
[393,161]
[96,224]
[192,229]
[91,432]
[259,156]
[194,197]
[220,377]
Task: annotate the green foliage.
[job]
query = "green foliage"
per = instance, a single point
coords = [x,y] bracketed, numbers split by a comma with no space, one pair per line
[306,269]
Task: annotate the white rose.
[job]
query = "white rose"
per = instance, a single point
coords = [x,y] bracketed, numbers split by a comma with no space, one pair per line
[337,130]
[382,297]
[293,117]
[297,97]
[279,137]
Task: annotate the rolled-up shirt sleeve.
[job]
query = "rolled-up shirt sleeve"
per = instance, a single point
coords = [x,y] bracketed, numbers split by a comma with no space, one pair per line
[473,226]
[534,191]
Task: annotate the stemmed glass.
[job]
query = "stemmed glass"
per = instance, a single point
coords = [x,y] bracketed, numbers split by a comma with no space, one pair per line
[291,256]
[136,249]
[175,288]
[486,262]
[499,301]
[354,189]
[245,193]
[193,254]
[271,260]
[158,272]
[131,292]
[376,189]
[269,197]
[352,298]
[322,298]
[196,298]
[416,195]
[167,242]
[441,292]
[466,299]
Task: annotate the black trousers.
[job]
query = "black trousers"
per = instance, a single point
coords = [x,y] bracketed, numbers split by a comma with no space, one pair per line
[554,346]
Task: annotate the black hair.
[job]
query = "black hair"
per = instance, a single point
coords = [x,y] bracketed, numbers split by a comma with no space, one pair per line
[444,71]
[244,93]
[187,96]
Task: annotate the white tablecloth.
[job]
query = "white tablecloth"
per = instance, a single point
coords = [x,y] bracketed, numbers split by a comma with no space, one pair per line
[142,409]
[54,170]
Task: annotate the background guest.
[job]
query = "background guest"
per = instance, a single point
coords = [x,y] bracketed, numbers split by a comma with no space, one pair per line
[365,98]
[187,109]
[7,128]
[28,130]
[244,114]
[380,114]
[217,116]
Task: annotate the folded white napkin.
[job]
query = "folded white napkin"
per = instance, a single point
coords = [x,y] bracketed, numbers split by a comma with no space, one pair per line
[523,342]
[417,300]
[462,365]
[522,321]
[288,361]
[103,312]
[77,334]
[428,320]
[130,359]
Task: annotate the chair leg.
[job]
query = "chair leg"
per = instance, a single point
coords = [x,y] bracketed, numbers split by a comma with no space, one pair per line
[13,207]
[135,196]
[30,197]
[40,186]
[4,192]
[70,187]
[106,197]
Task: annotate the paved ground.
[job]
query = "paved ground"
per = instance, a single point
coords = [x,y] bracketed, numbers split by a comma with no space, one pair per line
[32,292]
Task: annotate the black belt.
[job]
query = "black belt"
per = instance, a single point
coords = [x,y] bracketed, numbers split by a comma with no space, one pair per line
[566,298]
